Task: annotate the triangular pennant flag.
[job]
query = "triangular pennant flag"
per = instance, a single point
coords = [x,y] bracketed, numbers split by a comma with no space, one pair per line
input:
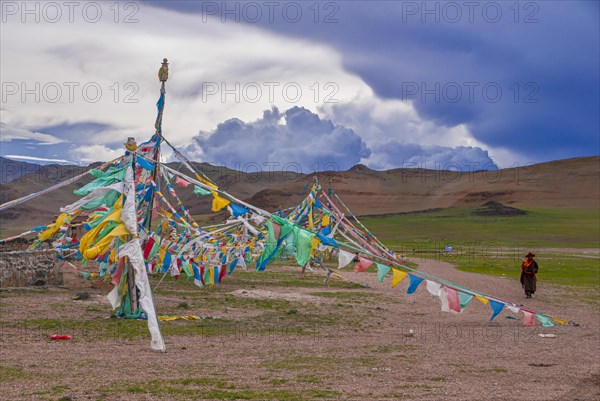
[398,276]
[414,283]
[464,299]
[181,182]
[238,210]
[559,321]
[382,271]
[433,288]
[496,308]
[363,264]
[344,258]
[482,299]
[453,300]
[528,319]
[546,321]
[200,191]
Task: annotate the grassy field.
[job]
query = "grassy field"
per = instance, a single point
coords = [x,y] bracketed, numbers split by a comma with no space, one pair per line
[559,228]
[496,245]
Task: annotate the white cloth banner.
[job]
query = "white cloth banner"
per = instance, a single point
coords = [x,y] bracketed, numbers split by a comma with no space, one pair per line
[513,308]
[242,262]
[95,194]
[129,215]
[444,300]
[344,258]
[133,251]
[114,297]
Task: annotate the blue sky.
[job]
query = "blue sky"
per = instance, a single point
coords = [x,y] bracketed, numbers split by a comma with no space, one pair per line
[307,85]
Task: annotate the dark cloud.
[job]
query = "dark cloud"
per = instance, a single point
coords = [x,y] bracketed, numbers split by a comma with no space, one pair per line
[296,137]
[544,57]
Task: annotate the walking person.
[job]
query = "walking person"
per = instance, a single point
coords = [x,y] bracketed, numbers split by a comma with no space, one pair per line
[529,269]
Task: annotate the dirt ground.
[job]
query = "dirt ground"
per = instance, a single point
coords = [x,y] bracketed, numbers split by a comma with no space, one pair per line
[279,336]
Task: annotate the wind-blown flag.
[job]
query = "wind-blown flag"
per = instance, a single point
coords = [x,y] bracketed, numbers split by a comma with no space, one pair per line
[453,300]
[433,288]
[237,210]
[363,264]
[344,258]
[528,318]
[464,299]
[382,271]
[200,191]
[414,283]
[546,321]
[496,308]
[397,276]
[181,182]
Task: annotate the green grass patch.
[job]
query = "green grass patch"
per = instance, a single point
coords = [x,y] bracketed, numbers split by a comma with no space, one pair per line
[221,389]
[554,269]
[541,227]
[8,374]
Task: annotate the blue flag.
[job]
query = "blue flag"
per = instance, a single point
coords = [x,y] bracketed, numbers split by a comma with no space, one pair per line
[496,307]
[414,283]
[238,210]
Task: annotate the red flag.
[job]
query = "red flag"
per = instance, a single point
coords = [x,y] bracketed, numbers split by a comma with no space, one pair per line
[222,271]
[453,300]
[528,318]
[148,247]
[116,277]
[363,264]
[181,182]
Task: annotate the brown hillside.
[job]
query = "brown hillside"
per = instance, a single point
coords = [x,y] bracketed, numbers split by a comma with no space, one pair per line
[570,183]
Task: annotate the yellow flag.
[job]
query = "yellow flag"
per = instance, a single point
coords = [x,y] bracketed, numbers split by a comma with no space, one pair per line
[483,300]
[218,202]
[398,276]
[326,221]
[314,242]
[52,229]
[559,321]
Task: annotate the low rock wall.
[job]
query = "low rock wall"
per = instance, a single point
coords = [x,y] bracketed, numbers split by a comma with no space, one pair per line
[29,269]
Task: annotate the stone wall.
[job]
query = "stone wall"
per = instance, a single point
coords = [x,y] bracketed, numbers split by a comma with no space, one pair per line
[29,268]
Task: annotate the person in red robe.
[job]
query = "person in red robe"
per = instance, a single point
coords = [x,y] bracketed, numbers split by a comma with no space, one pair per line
[529,269]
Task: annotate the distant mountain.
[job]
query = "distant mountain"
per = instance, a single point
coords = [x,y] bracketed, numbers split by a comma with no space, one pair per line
[569,183]
[11,169]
